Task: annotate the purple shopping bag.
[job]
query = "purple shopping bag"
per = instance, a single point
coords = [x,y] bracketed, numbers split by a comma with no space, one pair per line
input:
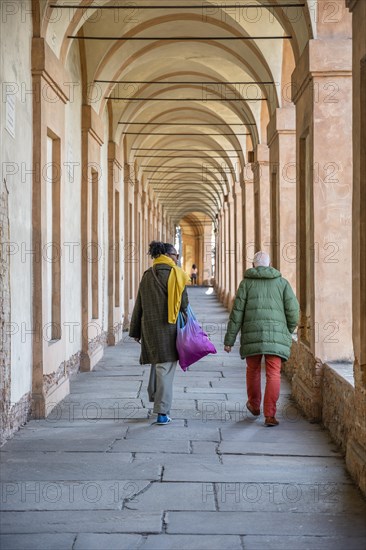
[192,341]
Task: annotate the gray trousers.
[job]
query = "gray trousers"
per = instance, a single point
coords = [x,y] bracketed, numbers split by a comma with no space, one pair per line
[160,387]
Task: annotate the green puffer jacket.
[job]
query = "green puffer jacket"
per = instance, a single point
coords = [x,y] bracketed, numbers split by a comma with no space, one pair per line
[266,311]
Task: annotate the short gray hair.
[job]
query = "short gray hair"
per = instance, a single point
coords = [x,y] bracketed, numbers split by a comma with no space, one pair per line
[261,259]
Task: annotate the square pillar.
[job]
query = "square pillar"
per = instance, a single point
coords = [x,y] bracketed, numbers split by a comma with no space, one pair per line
[281,137]
[239,234]
[224,254]
[322,85]
[115,312]
[262,235]
[249,249]
[231,250]
[322,93]
[356,446]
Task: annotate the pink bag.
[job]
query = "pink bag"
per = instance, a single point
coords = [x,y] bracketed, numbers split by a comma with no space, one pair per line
[192,342]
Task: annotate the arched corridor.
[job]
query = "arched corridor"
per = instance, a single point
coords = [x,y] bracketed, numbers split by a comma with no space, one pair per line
[223,128]
[97,475]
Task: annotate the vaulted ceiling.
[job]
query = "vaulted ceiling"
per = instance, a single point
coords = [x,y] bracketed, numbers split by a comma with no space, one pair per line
[190,84]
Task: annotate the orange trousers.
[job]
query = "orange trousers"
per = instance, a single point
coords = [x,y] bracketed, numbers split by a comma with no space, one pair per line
[273,382]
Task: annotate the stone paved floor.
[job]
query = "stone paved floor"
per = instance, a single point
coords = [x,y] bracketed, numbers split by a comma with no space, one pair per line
[98,475]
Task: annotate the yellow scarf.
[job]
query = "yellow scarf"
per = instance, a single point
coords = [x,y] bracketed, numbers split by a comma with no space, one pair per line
[176,284]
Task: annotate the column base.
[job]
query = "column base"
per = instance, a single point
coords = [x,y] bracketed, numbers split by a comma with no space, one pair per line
[115,334]
[43,404]
[90,358]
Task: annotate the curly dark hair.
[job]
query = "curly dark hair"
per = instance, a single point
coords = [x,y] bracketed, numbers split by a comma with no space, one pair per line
[157,248]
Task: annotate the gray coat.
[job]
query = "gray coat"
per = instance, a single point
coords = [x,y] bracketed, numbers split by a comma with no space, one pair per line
[150,318]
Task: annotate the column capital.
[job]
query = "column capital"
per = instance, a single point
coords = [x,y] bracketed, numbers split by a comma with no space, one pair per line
[261,154]
[238,187]
[113,153]
[47,65]
[283,121]
[322,58]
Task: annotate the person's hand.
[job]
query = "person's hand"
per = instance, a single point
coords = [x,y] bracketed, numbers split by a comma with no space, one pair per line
[137,340]
[227,349]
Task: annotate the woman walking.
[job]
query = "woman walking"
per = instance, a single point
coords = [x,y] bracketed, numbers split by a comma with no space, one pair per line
[162,294]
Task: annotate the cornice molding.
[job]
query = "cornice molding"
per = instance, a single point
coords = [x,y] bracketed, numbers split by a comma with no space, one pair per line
[46,65]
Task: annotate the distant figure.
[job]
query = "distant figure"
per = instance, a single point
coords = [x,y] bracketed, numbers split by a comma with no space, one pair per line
[194,272]
[266,311]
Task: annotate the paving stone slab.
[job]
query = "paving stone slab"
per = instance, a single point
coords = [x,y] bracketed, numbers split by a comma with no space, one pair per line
[307,542]
[74,466]
[184,413]
[179,394]
[75,521]
[262,523]
[225,385]
[204,447]
[40,541]
[55,444]
[91,385]
[102,393]
[72,495]
[290,449]
[110,368]
[154,446]
[43,439]
[120,374]
[78,426]
[322,497]
[192,542]
[173,458]
[95,541]
[285,462]
[99,410]
[175,433]
[150,423]
[206,368]
[256,473]
[177,403]
[252,429]
[172,496]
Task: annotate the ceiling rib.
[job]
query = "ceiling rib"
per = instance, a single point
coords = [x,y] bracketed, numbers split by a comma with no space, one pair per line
[220,99]
[181,7]
[192,124]
[179,157]
[179,134]
[180,82]
[179,38]
[185,150]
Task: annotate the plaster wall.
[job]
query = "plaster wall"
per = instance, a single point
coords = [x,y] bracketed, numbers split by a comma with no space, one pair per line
[16,158]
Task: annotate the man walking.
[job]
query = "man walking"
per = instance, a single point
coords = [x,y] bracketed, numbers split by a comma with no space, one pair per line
[266,311]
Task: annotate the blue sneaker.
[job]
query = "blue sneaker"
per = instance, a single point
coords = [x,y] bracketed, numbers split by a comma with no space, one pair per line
[163,419]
